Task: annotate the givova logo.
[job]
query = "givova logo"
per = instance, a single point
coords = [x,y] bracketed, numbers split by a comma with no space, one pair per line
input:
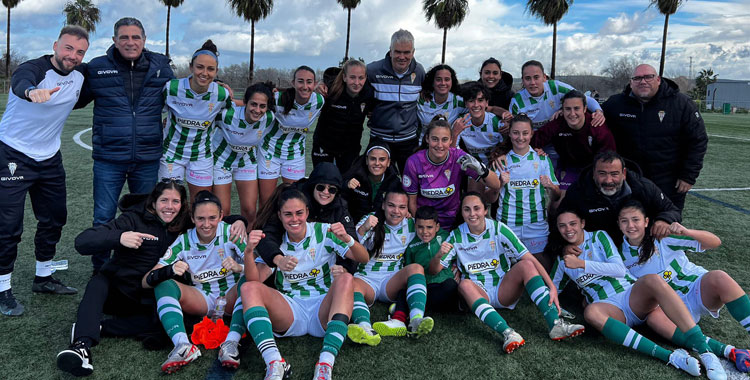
[12,166]
[482,265]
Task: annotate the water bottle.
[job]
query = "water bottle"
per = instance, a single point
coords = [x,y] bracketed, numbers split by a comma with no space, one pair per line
[221,304]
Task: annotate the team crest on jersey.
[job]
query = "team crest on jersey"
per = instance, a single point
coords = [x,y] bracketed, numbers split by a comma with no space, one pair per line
[220,252]
[309,116]
[591,140]
[413,77]
[492,245]
[210,107]
[447,173]
[661,116]
[362,107]
[552,103]
[536,166]
[12,166]
[403,239]
[311,252]
[481,266]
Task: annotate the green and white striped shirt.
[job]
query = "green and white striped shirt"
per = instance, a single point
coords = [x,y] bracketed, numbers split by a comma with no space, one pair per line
[523,200]
[391,257]
[286,138]
[541,108]
[479,140]
[235,141]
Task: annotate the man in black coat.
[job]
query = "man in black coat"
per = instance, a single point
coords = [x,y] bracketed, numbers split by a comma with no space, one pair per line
[601,190]
[661,130]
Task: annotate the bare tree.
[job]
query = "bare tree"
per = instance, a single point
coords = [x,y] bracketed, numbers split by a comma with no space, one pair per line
[619,70]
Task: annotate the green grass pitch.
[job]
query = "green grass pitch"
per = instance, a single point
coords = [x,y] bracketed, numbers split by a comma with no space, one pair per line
[460,347]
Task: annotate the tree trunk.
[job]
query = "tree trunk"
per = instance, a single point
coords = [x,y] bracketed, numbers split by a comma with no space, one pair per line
[554,50]
[169,9]
[664,45]
[445,37]
[7,49]
[348,28]
[252,51]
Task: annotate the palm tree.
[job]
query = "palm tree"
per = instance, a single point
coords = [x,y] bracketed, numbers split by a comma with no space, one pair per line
[666,7]
[8,4]
[447,14]
[550,12]
[348,5]
[253,11]
[83,13]
[170,4]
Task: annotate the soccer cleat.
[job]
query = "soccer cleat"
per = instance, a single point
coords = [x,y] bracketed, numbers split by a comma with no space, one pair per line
[229,355]
[363,334]
[278,370]
[180,356]
[322,371]
[76,360]
[563,329]
[8,304]
[513,340]
[52,286]
[391,327]
[714,370]
[741,359]
[420,326]
[680,359]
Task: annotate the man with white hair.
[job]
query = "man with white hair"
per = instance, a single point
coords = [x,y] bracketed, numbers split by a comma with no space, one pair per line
[397,80]
[661,130]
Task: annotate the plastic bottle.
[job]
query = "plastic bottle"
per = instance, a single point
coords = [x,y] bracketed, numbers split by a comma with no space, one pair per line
[218,313]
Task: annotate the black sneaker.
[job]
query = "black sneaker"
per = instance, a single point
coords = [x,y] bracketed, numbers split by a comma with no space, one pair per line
[52,286]
[76,360]
[8,304]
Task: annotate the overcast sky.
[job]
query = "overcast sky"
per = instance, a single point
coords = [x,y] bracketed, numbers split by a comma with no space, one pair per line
[313,32]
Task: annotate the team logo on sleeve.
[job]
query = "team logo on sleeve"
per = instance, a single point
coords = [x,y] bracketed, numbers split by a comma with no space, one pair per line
[406,181]
[167,254]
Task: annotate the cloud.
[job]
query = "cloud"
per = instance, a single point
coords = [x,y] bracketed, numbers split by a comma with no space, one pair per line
[624,24]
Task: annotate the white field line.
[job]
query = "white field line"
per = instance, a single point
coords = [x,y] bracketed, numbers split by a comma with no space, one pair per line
[77,139]
[729,137]
[723,189]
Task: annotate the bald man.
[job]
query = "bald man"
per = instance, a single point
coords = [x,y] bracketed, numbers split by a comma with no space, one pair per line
[660,129]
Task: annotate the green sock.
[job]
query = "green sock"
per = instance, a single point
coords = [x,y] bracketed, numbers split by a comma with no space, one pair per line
[489,315]
[237,325]
[416,295]
[168,306]
[259,327]
[620,333]
[718,348]
[740,310]
[360,312]
[334,338]
[695,339]
[539,293]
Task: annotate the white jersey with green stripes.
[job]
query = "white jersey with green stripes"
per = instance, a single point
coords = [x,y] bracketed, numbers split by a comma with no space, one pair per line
[668,261]
[541,108]
[190,119]
[479,140]
[523,200]
[451,109]
[316,255]
[596,246]
[391,257]
[235,143]
[286,137]
[204,260]
[487,257]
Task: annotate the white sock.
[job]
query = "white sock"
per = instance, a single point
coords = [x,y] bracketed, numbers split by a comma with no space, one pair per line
[180,338]
[728,350]
[233,336]
[365,324]
[326,357]
[43,268]
[4,282]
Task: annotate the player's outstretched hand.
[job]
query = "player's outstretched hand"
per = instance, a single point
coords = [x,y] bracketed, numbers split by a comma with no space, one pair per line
[132,239]
[41,95]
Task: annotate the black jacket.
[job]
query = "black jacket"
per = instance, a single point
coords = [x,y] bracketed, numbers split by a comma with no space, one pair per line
[501,94]
[336,211]
[360,199]
[600,211]
[666,136]
[341,121]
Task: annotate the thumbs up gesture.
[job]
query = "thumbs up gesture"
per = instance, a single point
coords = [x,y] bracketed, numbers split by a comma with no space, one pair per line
[41,95]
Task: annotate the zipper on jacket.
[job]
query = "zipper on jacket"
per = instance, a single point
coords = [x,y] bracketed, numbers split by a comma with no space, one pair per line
[132,108]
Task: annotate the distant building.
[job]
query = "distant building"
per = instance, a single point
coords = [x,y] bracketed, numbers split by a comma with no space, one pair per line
[727,91]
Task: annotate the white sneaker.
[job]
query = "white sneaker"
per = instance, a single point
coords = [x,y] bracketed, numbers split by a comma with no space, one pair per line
[513,340]
[714,369]
[420,326]
[391,327]
[563,329]
[364,334]
[322,371]
[278,370]
[682,360]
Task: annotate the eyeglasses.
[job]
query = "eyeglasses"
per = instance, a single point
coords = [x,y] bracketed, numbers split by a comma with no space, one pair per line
[331,189]
[172,180]
[647,78]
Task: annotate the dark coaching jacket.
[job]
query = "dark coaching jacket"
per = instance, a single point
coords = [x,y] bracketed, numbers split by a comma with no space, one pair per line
[128,102]
[600,211]
[341,121]
[501,94]
[360,199]
[666,136]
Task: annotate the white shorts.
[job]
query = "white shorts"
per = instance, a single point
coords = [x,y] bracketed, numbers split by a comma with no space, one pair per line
[270,167]
[492,291]
[199,173]
[306,321]
[224,177]
[622,302]
[533,236]
[694,302]
[211,301]
[377,283]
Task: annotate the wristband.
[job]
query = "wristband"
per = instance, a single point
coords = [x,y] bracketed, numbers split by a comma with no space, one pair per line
[28,91]
[157,276]
[351,242]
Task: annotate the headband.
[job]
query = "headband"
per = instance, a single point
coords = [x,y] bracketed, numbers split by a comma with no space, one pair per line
[379,147]
[206,52]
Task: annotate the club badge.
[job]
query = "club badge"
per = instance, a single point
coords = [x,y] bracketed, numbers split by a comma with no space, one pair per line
[210,107]
[12,167]
[362,107]
[661,116]
[591,140]
[413,77]
[447,173]
[311,252]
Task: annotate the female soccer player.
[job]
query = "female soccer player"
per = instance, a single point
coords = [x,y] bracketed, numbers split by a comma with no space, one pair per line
[367,180]
[478,131]
[235,149]
[386,235]
[432,176]
[499,83]
[282,152]
[208,256]
[484,250]
[310,299]
[440,96]
[192,105]
[616,302]
[703,292]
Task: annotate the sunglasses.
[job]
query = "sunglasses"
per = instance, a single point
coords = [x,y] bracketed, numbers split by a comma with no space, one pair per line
[331,189]
[172,180]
